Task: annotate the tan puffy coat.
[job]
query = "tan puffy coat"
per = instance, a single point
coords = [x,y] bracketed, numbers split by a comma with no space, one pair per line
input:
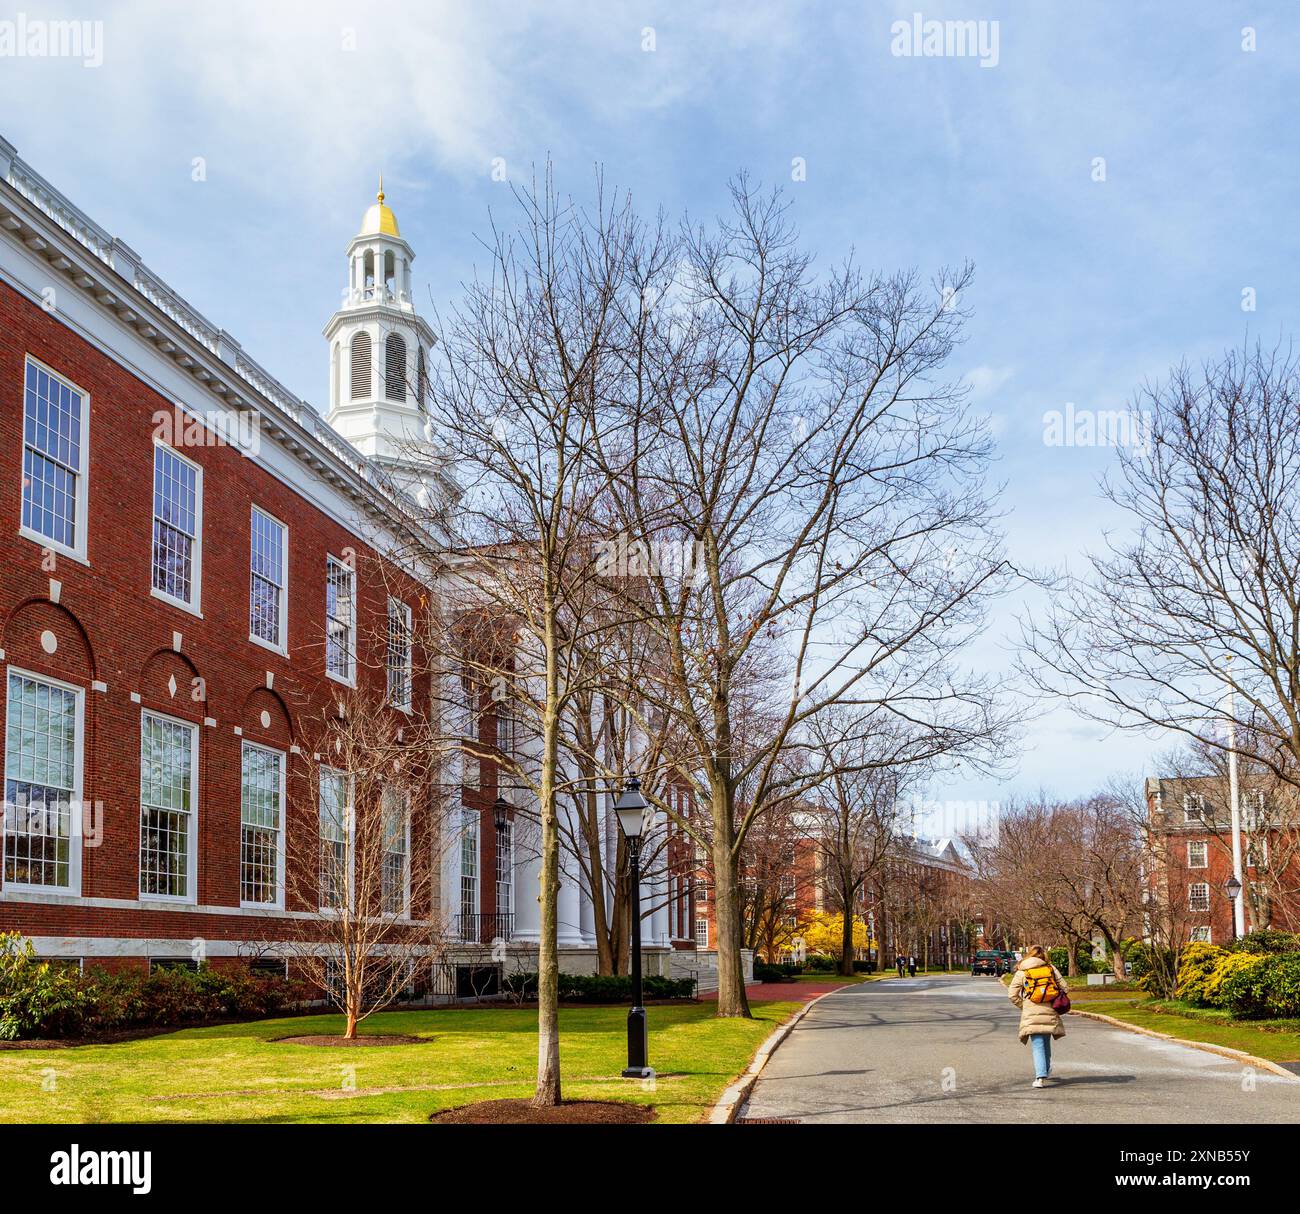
[1035,1017]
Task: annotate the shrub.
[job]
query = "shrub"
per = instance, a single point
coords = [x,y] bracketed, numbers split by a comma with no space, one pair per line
[1235,984]
[1281,984]
[33,992]
[1266,940]
[821,964]
[770,973]
[1196,967]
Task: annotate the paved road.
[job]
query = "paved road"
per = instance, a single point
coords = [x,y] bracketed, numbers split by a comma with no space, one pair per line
[945,1050]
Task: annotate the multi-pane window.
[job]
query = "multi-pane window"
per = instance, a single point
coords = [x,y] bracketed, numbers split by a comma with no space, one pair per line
[54,415]
[468,871]
[335,825]
[395,874]
[505,872]
[168,754]
[1193,807]
[507,729]
[701,933]
[399,654]
[267,580]
[261,825]
[1198,896]
[42,728]
[176,498]
[1196,854]
[340,620]
[1201,935]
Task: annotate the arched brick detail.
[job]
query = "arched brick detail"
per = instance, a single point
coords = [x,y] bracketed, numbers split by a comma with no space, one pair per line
[170,681]
[73,658]
[277,729]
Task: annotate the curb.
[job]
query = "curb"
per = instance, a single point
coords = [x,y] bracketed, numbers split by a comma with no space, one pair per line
[1222,1050]
[724,1112]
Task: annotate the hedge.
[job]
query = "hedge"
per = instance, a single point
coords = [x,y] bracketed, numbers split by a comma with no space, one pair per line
[1250,983]
[38,999]
[602,988]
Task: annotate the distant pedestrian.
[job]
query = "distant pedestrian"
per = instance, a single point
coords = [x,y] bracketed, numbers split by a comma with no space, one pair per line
[902,964]
[1040,993]
[911,964]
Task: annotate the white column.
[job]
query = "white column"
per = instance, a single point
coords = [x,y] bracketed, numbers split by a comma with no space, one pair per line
[528,871]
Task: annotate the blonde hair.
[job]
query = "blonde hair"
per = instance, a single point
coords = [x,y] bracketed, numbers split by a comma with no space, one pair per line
[1036,950]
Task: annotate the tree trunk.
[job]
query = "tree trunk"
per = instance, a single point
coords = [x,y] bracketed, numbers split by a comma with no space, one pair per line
[732,1000]
[548,962]
[846,945]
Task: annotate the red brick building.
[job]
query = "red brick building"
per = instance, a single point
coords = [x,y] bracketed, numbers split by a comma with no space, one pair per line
[1191,853]
[180,539]
[185,546]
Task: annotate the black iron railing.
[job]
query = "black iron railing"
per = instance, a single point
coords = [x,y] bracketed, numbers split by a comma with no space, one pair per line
[483,929]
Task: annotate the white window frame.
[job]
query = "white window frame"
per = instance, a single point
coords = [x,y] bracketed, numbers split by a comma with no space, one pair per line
[333,562]
[349,837]
[191,853]
[469,826]
[1192,899]
[194,606]
[404,611]
[78,551]
[75,806]
[505,869]
[1193,807]
[278,904]
[701,933]
[405,801]
[1205,853]
[1204,934]
[283,625]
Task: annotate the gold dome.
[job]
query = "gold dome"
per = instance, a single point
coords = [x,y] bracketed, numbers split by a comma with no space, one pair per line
[379,220]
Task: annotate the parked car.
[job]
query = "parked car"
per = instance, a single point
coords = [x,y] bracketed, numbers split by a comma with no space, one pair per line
[1009,961]
[987,961]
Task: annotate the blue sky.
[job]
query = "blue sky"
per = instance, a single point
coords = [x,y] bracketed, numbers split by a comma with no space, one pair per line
[1084,288]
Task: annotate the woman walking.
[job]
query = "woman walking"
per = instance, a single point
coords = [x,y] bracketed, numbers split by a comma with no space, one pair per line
[1040,993]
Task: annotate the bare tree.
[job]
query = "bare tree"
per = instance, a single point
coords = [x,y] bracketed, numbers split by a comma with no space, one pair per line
[373,875]
[1192,616]
[520,409]
[791,433]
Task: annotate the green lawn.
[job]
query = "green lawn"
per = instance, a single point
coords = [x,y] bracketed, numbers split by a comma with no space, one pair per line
[1276,1040]
[239,1073]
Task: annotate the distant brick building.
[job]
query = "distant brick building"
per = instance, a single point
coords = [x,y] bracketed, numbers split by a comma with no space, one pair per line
[1192,854]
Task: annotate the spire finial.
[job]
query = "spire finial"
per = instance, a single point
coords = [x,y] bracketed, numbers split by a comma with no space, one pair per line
[380,196]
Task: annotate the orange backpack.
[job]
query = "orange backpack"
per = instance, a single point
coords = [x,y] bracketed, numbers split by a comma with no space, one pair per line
[1040,984]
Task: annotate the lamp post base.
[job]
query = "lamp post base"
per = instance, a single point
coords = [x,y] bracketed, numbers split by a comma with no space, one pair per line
[638,1053]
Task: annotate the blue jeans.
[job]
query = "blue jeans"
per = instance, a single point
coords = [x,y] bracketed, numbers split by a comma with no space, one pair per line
[1042,1046]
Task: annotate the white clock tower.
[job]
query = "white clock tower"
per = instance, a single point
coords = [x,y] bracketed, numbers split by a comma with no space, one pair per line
[380,348]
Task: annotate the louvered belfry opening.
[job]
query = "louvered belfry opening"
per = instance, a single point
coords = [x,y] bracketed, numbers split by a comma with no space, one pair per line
[360,366]
[395,367]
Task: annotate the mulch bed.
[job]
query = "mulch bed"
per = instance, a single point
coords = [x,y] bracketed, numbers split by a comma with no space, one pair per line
[522,1112]
[363,1039]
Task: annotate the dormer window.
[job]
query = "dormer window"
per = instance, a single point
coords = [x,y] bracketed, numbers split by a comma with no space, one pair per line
[1193,807]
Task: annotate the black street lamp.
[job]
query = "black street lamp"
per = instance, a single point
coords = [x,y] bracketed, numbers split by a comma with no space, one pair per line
[1232,887]
[500,813]
[630,807]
